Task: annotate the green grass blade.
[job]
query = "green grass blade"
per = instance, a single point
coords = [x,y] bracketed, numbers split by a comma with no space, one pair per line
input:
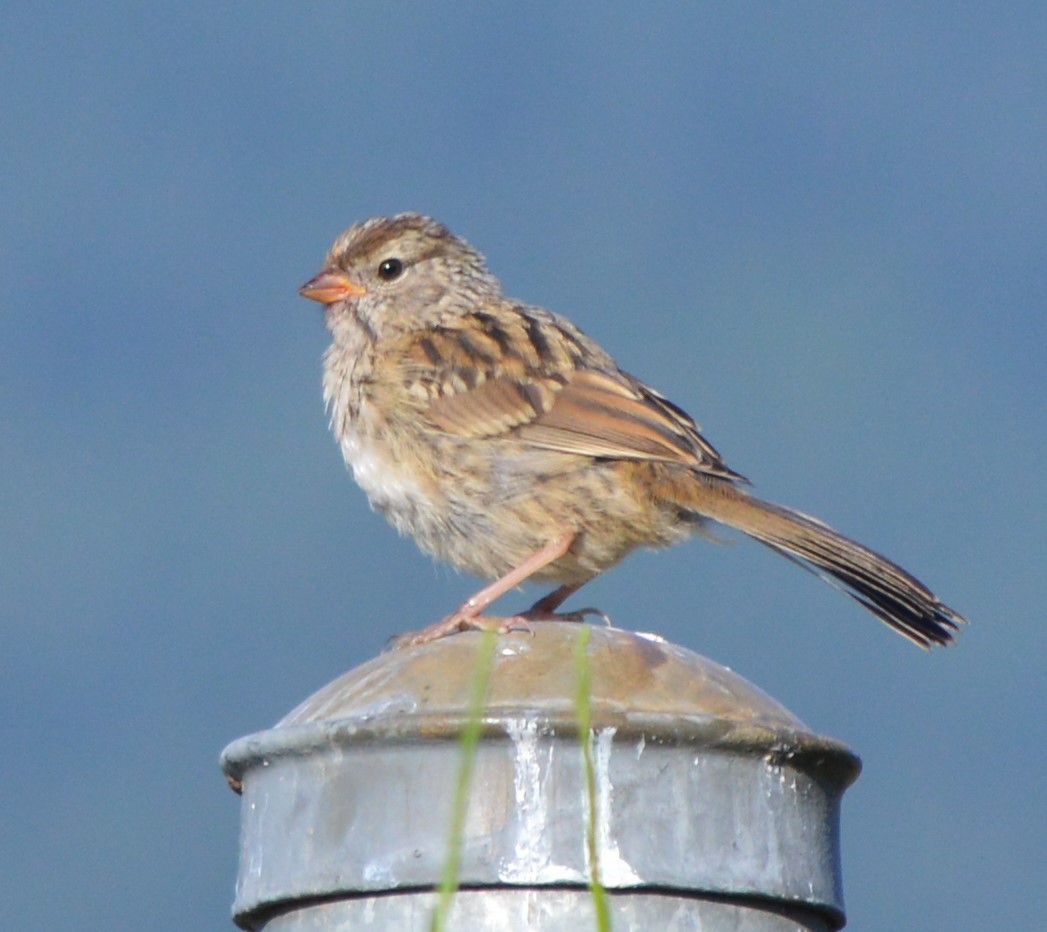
[470,737]
[583,713]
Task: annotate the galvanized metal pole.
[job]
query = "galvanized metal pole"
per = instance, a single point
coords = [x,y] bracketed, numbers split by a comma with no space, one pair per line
[714,807]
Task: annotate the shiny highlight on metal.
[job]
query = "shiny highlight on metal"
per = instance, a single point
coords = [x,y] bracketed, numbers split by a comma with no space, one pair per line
[716,808]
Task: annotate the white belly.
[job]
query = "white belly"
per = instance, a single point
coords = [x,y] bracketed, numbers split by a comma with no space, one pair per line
[389,489]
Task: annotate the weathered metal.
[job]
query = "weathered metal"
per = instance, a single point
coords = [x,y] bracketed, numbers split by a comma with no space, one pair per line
[715,807]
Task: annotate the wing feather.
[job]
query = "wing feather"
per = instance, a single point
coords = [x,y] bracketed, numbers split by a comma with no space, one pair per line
[585,412]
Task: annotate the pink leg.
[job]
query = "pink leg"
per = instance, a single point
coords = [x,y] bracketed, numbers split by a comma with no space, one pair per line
[468,615]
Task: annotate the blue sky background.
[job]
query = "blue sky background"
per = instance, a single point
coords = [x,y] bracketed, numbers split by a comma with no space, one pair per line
[821,228]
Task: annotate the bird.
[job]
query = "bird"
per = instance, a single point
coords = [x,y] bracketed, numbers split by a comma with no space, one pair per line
[509,444]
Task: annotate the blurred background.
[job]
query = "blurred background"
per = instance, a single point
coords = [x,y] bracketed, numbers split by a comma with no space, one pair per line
[821,228]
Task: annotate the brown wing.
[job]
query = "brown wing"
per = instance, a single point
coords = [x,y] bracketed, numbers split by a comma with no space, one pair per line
[611,414]
[484,385]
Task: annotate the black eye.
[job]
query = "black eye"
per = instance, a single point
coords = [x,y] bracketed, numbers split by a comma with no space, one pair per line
[390,269]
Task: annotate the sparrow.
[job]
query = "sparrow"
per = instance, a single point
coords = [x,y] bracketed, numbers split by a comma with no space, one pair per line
[508,443]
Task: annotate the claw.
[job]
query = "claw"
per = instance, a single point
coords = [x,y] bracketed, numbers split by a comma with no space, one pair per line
[455,623]
[515,623]
[582,613]
[464,619]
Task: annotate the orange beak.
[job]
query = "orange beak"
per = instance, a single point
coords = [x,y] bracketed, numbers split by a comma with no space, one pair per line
[331,285]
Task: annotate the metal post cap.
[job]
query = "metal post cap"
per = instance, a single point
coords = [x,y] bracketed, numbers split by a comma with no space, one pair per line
[715,807]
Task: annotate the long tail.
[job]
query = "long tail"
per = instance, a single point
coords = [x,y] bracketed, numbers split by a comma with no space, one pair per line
[883,587]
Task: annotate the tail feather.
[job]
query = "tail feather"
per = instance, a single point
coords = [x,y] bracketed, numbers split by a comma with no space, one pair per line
[881,586]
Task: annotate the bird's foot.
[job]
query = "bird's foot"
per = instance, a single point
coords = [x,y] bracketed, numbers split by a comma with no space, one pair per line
[465,620]
[537,614]
[461,620]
